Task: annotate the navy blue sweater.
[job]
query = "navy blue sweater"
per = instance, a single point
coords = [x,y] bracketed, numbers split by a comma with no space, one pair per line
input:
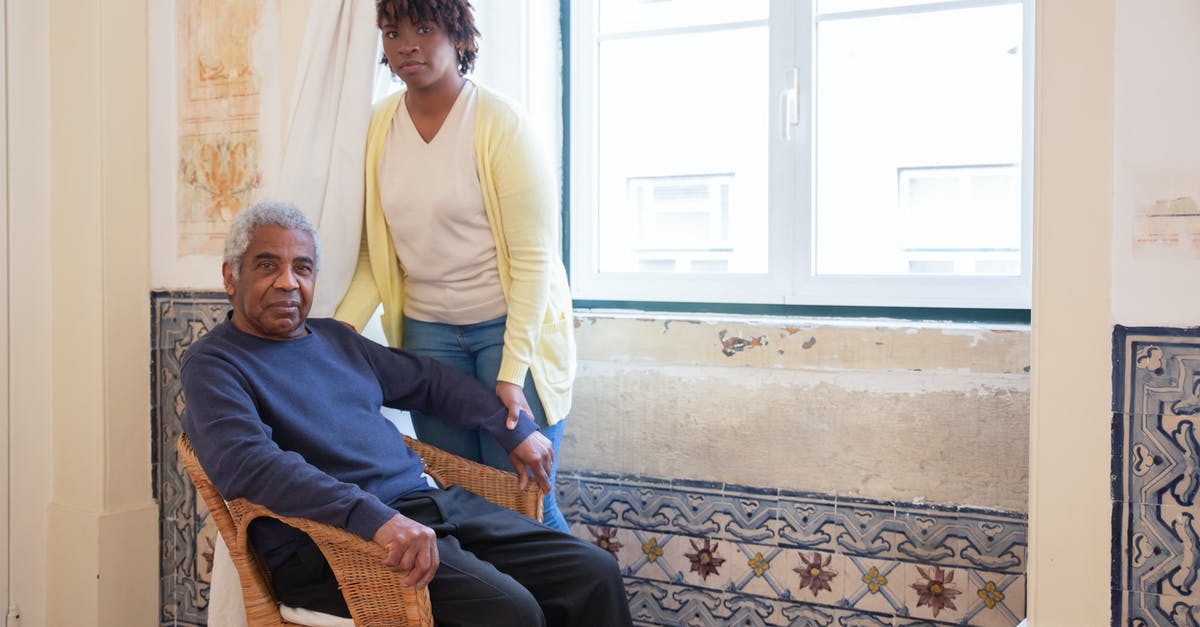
[295,425]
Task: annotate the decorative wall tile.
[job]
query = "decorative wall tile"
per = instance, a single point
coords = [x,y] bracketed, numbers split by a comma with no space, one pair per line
[1156,476]
[993,598]
[934,593]
[751,514]
[874,585]
[821,561]
[185,530]
[872,529]
[808,522]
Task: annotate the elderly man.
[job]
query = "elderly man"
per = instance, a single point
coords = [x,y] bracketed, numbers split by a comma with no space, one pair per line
[285,411]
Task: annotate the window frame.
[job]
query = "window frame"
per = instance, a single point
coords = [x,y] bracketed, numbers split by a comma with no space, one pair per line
[794,289]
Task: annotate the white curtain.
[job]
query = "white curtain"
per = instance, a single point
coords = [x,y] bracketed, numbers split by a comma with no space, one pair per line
[322,169]
[322,173]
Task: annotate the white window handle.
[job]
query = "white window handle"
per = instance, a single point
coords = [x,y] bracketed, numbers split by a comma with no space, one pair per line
[789,104]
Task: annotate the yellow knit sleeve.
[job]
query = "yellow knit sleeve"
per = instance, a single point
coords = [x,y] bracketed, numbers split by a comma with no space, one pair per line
[362,297]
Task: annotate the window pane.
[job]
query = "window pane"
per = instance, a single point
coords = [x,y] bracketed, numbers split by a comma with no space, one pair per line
[626,16]
[842,6]
[918,143]
[682,143]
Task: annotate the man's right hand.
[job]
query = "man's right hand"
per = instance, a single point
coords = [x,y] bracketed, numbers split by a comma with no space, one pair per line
[411,547]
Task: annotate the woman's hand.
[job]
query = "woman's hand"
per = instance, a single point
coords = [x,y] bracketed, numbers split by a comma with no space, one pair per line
[513,397]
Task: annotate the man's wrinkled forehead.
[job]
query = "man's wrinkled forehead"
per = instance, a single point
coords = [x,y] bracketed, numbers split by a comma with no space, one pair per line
[273,241]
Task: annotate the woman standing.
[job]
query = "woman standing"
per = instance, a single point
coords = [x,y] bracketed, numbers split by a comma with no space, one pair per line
[461,232]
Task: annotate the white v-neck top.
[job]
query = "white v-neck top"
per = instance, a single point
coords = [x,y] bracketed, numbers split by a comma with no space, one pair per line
[434,208]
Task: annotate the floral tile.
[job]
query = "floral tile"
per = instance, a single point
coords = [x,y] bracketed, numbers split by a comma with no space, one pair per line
[994,599]
[935,593]
[952,538]
[874,585]
[611,539]
[654,556]
[760,570]
[705,562]
[818,578]
[783,570]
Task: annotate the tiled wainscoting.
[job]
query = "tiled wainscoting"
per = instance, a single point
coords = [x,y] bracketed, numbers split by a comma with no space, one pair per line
[186,531]
[1156,476]
[692,553]
[710,554]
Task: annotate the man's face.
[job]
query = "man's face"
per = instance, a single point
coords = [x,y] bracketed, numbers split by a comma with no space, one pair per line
[273,292]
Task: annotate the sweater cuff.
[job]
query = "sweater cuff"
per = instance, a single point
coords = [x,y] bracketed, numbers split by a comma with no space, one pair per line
[368,517]
[510,439]
[512,371]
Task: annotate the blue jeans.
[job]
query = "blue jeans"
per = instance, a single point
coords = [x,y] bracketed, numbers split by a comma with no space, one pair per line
[476,350]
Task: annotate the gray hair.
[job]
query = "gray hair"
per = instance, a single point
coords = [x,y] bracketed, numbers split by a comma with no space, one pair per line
[277,213]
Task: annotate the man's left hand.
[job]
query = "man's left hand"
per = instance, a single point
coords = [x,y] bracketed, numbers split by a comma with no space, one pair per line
[513,397]
[534,455]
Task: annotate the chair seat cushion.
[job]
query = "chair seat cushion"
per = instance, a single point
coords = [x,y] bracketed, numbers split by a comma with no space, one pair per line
[302,616]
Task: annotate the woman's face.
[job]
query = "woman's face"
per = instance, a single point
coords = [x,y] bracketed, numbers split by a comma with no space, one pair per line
[420,53]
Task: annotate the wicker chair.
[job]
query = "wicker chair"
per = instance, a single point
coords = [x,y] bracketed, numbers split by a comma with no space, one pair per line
[373,593]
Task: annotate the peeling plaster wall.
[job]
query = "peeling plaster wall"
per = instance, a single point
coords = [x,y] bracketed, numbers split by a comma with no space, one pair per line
[896,411]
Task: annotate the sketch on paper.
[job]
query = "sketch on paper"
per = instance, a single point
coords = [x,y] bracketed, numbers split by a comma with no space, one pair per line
[219,89]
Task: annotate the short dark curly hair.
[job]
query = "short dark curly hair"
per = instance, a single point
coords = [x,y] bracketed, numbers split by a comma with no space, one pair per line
[456,16]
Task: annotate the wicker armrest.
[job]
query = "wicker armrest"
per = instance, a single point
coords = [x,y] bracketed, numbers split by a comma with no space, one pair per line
[372,592]
[498,486]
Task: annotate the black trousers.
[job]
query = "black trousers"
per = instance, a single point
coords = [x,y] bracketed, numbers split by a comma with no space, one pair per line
[498,568]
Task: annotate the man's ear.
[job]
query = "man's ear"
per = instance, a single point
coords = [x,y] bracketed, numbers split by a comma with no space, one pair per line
[227,275]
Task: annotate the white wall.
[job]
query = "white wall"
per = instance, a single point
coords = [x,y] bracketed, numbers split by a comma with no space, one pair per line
[4,237]
[30,418]
[1070,417]
[1156,163]
[1118,138]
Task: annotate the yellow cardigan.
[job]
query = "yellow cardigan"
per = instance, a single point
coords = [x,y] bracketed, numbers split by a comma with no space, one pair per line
[522,209]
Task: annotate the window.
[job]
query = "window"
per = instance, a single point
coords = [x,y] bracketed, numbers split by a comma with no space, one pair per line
[681,224]
[814,152]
